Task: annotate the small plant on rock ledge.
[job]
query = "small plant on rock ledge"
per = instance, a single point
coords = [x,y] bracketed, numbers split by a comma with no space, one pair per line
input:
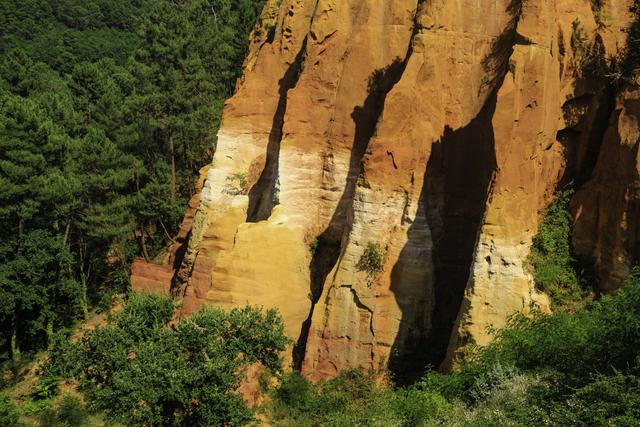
[237,184]
[372,259]
[313,244]
[589,56]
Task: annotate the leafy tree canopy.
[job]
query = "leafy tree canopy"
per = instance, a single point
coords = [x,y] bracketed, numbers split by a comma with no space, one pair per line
[108,108]
[142,371]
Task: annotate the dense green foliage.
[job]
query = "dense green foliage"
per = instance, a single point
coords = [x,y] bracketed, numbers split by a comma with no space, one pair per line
[353,399]
[107,110]
[9,415]
[565,369]
[142,371]
[70,412]
[554,266]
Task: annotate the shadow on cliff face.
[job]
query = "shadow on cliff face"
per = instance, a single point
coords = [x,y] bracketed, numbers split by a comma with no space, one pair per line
[598,205]
[451,206]
[333,239]
[610,199]
[263,196]
[583,135]
[452,203]
[496,63]
[329,242]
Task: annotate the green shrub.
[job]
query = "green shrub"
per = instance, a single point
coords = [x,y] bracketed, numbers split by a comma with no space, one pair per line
[46,388]
[556,271]
[354,398]
[61,361]
[294,393]
[452,386]
[416,407]
[143,315]
[70,412]
[299,402]
[568,368]
[564,369]
[237,184]
[372,259]
[486,384]
[601,338]
[9,415]
[589,57]
[607,400]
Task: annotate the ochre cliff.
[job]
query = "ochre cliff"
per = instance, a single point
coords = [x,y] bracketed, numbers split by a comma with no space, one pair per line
[434,131]
[607,207]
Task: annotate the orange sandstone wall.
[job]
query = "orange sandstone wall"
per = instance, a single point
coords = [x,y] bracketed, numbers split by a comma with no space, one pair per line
[436,130]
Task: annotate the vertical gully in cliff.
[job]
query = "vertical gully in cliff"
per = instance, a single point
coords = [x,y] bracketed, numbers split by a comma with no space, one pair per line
[333,239]
[457,184]
[587,120]
[263,196]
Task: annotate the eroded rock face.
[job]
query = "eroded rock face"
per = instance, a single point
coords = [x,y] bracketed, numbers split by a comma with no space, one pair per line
[607,207]
[433,131]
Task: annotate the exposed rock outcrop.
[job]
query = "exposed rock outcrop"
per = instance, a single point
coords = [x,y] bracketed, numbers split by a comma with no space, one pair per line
[607,207]
[433,132]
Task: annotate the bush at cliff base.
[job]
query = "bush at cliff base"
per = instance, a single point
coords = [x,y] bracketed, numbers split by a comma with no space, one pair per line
[142,371]
[555,268]
[565,369]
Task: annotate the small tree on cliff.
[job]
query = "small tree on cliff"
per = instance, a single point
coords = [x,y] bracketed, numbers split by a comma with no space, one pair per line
[141,371]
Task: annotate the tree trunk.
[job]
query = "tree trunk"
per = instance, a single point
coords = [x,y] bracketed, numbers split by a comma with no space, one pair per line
[173,166]
[49,332]
[84,280]
[67,231]
[166,232]
[85,300]
[144,246]
[15,349]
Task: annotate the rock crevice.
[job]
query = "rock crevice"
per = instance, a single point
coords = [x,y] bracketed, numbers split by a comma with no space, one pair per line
[263,196]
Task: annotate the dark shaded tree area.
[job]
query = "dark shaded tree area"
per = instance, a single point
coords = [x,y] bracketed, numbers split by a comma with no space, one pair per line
[107,110]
